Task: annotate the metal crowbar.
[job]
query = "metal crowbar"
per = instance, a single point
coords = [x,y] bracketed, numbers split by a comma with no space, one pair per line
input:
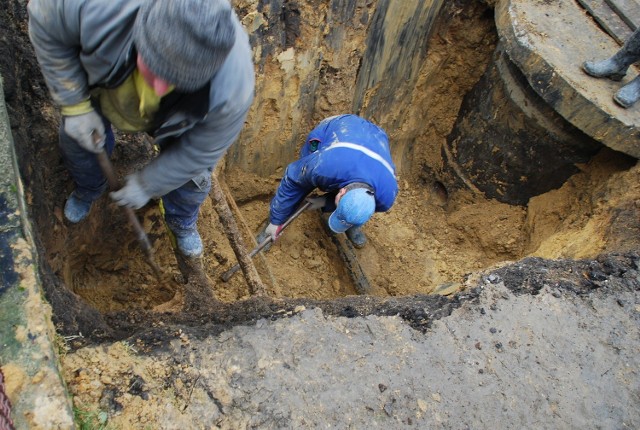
[112,180]
[229,273]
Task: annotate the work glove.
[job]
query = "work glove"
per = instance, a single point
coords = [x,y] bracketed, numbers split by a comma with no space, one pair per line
[272,231]
[133,195]
[317,202]
[87,129]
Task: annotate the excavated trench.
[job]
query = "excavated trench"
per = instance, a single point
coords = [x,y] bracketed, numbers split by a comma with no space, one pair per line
[447,226]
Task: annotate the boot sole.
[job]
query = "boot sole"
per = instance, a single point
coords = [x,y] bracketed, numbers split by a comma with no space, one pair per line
[358,245]
[613,76]
[622,103]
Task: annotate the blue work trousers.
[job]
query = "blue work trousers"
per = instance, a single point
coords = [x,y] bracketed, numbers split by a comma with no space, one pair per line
[181,206]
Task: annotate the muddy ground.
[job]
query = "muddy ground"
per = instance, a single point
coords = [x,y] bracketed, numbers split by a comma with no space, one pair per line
[535,324]
[536,345]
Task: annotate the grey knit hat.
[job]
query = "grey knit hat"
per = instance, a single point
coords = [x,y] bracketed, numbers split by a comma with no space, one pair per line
[184,42]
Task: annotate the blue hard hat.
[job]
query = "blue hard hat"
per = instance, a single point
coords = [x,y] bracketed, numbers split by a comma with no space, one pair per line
[354,209]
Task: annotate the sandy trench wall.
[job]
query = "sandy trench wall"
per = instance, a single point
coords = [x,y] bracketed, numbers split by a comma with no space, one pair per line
[394,92]
[322,58]
[433,74]
[427,80]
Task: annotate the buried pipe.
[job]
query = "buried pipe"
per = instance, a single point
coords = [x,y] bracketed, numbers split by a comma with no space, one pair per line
[508,143]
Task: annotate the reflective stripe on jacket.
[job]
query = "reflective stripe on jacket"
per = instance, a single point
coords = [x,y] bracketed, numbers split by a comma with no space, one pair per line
[339,151]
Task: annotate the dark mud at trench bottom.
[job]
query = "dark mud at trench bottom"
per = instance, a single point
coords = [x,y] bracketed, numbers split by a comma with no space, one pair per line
[151,330]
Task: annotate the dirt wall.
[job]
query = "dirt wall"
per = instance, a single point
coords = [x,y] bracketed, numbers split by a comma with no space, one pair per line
[321,58]
[434,238]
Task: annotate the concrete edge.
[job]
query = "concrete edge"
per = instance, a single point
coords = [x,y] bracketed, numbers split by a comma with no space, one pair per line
[28,355]
[557,91]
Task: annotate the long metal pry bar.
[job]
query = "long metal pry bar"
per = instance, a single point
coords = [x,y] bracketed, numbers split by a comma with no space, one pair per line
[229,273]
[143,240]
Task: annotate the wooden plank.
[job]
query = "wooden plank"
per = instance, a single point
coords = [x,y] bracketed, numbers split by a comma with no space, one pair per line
[608,19]
[628,10]
[236,240]
[259,260]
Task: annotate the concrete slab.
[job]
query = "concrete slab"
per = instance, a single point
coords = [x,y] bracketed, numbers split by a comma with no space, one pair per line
[608,19]
[628,10]
[548,41]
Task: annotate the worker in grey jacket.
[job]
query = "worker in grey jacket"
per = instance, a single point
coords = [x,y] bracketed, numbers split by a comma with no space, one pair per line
[180,70]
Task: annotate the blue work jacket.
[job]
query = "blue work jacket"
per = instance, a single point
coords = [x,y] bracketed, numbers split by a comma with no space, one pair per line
[340,150]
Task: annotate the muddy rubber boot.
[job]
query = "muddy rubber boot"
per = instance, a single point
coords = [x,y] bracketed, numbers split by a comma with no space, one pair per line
[75,210]
[189,242]
[629,94]
[615,68]
[357,237]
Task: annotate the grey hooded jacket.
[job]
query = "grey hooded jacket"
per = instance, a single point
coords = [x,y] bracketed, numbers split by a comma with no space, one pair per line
[83,44]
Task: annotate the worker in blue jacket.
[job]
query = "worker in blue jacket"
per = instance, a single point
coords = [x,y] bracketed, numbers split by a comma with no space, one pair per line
[349,159]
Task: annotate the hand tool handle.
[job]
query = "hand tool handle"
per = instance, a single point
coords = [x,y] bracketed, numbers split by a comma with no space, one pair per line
[229,273]
[112,180]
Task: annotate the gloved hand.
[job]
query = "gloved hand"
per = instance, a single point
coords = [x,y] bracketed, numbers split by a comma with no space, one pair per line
[87,129]
[133,195]
[317,202]
[272,231]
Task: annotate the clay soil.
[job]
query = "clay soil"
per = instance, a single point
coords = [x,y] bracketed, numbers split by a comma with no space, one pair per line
[451,272]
